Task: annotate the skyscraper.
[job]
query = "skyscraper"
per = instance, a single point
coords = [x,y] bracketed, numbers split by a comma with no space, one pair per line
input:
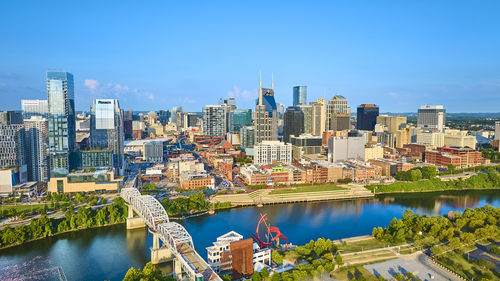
[247,136]
[299,95]
[318,117]
[338,114]
[266,115]
[308,117]
[214,120]
[240,118]
[293,123]
[36,148]
[432,117]
[163,116]
[176,109]
[60,96]
[366,117]
[106,130]
[231,102]
[34,108]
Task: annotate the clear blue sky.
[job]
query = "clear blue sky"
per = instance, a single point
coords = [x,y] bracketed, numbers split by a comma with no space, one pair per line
[157,54]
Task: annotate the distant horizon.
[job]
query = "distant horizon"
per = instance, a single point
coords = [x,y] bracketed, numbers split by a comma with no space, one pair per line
[398,55]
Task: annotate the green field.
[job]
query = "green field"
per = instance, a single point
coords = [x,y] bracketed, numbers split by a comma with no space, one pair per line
[363,245]
[307,189]
[26,209]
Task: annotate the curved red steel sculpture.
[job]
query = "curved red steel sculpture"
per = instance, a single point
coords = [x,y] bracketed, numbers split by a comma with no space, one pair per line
[270,230]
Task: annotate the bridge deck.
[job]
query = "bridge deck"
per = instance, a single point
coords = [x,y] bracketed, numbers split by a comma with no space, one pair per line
[197,262]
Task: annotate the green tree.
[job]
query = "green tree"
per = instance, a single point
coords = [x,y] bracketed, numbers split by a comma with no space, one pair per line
[399,277]
[256,276]
[277,257]
[338,259]
[264,273]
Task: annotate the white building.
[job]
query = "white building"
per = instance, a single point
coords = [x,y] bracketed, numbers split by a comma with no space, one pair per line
[432,139]
[431,117]
[222,247]
[268,152]
[497,130]
[345,148]
[153,151]
[215,120]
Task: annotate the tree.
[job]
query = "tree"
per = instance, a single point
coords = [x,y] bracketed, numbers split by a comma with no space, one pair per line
[276,277]
[264,273]
[399,277]
[276,257]
[338,260]
[226,277]
[410,275]
[256,276]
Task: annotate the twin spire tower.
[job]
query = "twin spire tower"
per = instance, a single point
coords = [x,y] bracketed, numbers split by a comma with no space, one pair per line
[260,86]
[266,114]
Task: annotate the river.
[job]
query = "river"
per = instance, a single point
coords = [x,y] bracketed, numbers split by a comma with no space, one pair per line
[107,253]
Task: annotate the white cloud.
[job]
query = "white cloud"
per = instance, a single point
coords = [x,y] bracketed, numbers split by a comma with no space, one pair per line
[186,100]
[394,95]
[244,94]
[91,84]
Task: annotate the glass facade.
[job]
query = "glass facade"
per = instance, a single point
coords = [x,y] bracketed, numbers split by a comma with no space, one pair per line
[61,105]
[293,123]
[240,118]
[366,117]
[299,95]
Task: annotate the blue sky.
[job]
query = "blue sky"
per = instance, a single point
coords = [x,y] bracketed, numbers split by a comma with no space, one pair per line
[157,54]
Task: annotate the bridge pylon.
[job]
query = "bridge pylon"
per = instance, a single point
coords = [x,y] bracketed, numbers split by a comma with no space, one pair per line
[160,253]
[134,222]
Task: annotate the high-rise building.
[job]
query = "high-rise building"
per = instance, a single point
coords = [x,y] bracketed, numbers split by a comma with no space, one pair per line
[338,114]
[497,130]
[318,117]
[293,123]
[11,118]
[240,118]
[176,109]
[269,152]
[163,116]
[366,117]
[214,120]
[266,115]
[247,137]
[36,137]
[230,102]
[432,117]
[308,117]
[299,95]
[34,108]
[61,99]
[346,148]
[106,130]
[391,123]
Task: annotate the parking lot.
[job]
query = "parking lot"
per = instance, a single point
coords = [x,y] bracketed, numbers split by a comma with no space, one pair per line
[416,264]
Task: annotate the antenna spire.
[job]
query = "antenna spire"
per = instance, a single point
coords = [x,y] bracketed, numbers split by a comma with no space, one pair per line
[260,88]
[272,80]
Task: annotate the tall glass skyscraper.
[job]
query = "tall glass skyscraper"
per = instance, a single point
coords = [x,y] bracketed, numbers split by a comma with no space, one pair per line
[299,95]
[366,117]
[240,118]
[293,123]
[106,130]
[60,96]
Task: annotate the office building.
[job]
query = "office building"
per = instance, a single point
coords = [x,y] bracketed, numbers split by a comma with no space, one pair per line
[266,116]
[308,117]
[153,151]
[431,139]
[11,118]
[83,181]
[497,130]
[338,114]
[299,95]
[432,117]
[176,109]
[346,148]
[163,116]
[106,130]
[230,102]
[34,108]
[36,148]
[318,117]
[62,139]
[366,117]
[240,118]
[247,137]
[293,123]
[305,144]
[391,123]
[269,152]
[214,120]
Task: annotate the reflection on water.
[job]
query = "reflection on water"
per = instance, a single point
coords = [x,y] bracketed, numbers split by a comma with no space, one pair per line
[107,253]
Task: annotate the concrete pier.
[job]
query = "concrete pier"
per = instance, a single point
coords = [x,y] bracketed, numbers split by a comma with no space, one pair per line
[160,254]
[134,223]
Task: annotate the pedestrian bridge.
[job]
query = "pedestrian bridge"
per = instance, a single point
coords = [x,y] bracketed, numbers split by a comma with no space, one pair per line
[176,243]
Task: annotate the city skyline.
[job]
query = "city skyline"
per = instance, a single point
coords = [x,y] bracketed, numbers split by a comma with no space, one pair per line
[430,56]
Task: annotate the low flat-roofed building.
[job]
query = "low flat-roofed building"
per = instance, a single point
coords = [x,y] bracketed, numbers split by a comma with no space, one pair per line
[191,180]
[101,180]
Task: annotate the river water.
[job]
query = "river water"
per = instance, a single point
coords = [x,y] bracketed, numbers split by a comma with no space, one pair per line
[107,253]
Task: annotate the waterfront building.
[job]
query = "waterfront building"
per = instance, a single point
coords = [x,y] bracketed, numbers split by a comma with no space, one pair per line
[269,152]
[82,181]
[214,120]
[34,108]
[266,116]
[293,123]
[299,95]
[305,144]
[240,118]
[318,117]
[36,148]
[62,138]
[233,254]
[106,130]
[247,137]
[308,117]
[432,117]
[366,117]
[338,114]
[346,148]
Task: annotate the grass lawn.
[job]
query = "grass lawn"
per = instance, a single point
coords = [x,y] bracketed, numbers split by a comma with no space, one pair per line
[355,271]
[458,262]
[307,189]
[363,245]
[26,208]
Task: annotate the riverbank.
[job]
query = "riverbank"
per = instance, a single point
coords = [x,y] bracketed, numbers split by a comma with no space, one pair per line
[273,196]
